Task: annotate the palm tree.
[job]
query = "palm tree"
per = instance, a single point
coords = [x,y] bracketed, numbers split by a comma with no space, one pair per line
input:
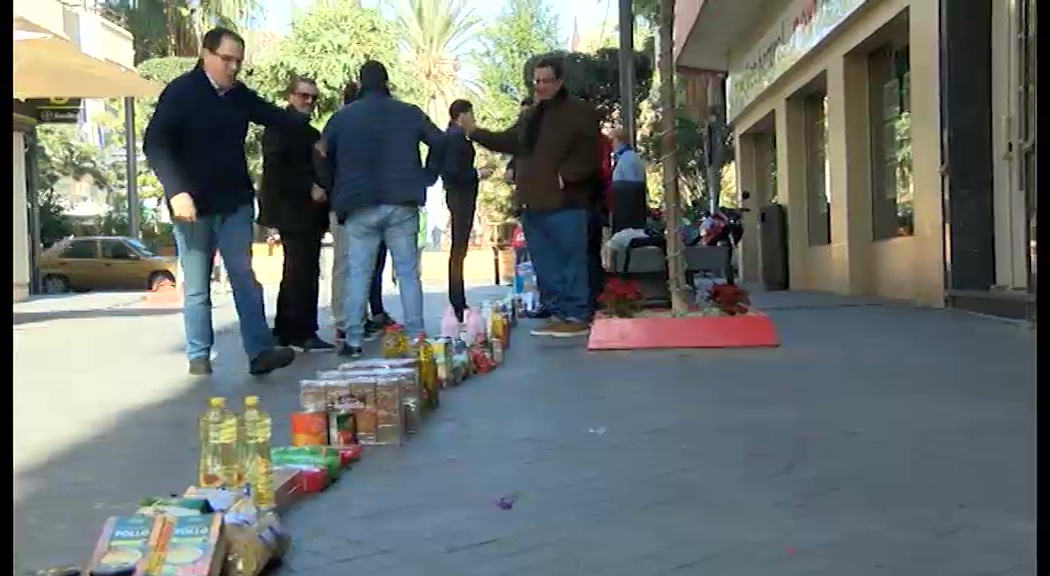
[672,207]
[433,34]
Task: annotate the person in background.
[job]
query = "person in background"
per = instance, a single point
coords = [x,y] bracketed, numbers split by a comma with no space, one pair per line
[339,265]
[556,174]
[460,180]
[627,197]
[373,145]
[599,219]
[293,200]
[195,144]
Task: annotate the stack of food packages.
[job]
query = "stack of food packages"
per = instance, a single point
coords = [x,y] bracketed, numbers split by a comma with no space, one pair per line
[384,401]
[215,531]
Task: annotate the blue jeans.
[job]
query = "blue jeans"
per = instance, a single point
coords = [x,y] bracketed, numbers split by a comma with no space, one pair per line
[558,247]
[364,230]
[197,241]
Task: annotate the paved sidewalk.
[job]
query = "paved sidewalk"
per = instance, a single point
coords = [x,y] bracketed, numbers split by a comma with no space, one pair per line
[878,440]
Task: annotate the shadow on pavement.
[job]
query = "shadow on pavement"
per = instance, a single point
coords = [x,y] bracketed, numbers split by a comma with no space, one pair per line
[148,448]
[876,436]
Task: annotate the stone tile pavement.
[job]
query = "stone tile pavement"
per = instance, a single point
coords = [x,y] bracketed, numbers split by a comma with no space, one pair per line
[879,439]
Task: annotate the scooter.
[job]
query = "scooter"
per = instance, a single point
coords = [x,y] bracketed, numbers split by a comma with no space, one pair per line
[723,228]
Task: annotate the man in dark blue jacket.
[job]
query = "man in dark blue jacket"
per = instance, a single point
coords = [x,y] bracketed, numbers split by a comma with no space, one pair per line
[195,145]
[460,180]
[380,184]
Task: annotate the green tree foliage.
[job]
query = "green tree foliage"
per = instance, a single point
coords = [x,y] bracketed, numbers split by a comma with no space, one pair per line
[596,77]
[175,27]
[523,29]
[329,43]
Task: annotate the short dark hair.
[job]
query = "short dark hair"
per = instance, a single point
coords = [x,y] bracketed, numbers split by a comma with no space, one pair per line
[296,81]
[527,101]
[459,107]
[213,38]
[555,64]
[373,77]
[350,92]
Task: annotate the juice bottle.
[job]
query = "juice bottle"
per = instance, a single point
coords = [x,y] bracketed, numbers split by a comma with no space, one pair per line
[496,325]
[257,428]
[219,465]
[395,342]
[428,372]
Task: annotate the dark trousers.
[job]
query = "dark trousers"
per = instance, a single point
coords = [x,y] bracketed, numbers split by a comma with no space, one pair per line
[375,291]
[557,242]
[296,319]
[461,206]
[595,271]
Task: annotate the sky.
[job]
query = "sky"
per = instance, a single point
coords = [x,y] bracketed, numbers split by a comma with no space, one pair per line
[589,13]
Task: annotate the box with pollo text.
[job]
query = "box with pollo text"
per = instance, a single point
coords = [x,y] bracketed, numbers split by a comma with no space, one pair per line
[191,546]
[128,541]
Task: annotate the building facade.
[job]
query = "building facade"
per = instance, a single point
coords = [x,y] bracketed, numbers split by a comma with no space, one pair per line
[898,136]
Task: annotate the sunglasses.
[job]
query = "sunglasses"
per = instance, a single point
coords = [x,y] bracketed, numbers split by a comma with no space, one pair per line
[306,95]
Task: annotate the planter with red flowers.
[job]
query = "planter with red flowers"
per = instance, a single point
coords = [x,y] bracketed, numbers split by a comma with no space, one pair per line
[725,319]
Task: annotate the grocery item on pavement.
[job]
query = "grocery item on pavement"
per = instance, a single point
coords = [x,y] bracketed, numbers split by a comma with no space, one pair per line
[220,463]
[309,428]
[190,546]
[127,541]
[443,361]
[256,431]
[312,396]
[394,343]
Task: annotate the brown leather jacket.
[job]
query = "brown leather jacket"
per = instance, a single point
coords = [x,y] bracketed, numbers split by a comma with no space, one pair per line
[567,146]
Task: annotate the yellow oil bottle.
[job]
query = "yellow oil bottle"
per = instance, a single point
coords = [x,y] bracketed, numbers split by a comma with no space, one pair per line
[257,429]
[219,465]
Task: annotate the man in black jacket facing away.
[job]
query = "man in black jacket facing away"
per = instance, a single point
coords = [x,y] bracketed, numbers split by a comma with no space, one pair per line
[460,180]
[195,145]
[293,200]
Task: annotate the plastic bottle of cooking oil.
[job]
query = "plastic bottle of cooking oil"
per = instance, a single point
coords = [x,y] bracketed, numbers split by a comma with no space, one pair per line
[220,465]
[428,372]
[257,429]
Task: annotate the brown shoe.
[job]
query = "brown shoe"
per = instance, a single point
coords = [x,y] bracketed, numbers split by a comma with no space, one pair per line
[548,327]
[569,329]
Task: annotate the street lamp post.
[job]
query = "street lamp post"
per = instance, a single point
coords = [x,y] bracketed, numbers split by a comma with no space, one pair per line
[134,209]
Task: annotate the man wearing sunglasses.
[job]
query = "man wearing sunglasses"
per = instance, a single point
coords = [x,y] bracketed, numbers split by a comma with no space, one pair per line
[195,144]
[293,199]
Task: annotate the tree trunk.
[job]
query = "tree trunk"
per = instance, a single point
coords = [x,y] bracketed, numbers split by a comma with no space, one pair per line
[672,203]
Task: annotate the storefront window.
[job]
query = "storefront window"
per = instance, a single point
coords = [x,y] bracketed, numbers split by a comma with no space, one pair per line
[817,169]
[890,114]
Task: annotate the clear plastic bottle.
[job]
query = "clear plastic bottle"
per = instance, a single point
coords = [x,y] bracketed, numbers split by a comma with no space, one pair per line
[219,465]
[255,453]
[428,372]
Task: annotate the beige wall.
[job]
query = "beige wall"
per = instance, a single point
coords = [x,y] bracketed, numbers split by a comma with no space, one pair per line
[20,226]
[909,268]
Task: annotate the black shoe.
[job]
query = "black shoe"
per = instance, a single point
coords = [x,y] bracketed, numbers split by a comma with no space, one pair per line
[270,360]
[200,367]
[313,344]
[350,352]
[375,325]
[340,335]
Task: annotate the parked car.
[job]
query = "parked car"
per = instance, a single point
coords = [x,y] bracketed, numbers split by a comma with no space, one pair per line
[103,263]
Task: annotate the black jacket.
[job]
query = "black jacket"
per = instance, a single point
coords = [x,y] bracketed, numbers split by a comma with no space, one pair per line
[195,140]
[457,170]
[291,167]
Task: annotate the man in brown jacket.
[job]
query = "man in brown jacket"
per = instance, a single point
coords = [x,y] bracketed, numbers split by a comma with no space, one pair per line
[556,174]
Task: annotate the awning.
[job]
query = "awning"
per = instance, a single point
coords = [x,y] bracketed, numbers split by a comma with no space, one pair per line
[47,65]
